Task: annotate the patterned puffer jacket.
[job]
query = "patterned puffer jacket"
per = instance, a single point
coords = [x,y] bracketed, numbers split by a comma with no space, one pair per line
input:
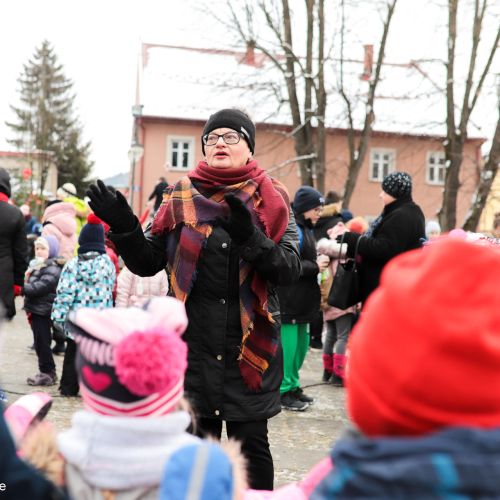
[86,281]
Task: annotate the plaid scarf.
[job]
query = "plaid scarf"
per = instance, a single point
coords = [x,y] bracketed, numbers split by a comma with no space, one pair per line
[187,214]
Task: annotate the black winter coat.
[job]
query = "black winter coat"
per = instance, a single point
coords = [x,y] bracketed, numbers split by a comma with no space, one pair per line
[40,291]
[13,248]
[299,302]
[213,380]
[400,229]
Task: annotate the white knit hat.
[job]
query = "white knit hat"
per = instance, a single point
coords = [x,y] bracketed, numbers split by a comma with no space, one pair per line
[66,190]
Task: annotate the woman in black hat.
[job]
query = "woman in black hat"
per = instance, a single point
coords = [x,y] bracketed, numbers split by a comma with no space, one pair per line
[399,228]
[227,237]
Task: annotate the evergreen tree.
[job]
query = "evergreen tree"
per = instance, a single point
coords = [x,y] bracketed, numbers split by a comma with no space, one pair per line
[46,122]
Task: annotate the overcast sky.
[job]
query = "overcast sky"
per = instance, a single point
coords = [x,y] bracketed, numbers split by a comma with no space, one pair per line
[98,43]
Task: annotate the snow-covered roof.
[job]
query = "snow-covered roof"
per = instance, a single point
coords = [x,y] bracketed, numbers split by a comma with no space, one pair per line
[180,82]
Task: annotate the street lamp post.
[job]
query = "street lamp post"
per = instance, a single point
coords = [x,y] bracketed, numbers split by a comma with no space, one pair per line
[136,149]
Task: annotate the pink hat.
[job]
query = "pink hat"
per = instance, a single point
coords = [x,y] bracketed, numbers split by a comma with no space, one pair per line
[131,362]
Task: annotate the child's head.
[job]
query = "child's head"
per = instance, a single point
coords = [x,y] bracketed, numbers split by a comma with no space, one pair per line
[426,351]
[432,230]
[91,237]
[131,362]
[46,247]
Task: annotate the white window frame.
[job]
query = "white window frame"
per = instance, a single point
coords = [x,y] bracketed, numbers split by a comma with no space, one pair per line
[392,165]
[438,155]
[170,150]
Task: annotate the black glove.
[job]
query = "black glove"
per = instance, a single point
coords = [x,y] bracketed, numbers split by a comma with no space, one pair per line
[349,237]
[239,224]
[112,209]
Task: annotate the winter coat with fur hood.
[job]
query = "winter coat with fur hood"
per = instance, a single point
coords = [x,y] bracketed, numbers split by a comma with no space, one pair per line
[59,220]
[134,290]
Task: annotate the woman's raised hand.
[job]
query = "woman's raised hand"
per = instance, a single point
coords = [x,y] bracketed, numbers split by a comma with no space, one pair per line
[239,224]
[112,209]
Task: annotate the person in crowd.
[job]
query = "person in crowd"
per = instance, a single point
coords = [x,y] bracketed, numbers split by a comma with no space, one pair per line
[135,290]
[330,217]
[429,429]
[13,248]
[495,231]
[432,230]
[228,239]
[157,194]
[139,373]
[87,280]
[358,224]
[112,254]
[59,219]
[39,293]
[346,216]
[399,228]
[300,302]
[31,220]
[67,193]
[338,322]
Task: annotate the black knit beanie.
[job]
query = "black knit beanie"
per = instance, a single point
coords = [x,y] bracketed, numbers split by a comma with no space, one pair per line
[233,119]
[397,184]
[307,198]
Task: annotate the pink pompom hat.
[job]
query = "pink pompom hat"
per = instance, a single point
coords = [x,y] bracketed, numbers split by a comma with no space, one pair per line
[131,362]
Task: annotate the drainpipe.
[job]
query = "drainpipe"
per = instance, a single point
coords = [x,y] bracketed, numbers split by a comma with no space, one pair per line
[143,130]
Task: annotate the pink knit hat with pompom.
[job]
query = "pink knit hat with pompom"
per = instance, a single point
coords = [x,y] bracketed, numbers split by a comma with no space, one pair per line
[131,362]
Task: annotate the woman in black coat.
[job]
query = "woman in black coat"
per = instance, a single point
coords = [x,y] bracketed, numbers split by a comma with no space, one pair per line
[227,237]
[399,228]
[13,247]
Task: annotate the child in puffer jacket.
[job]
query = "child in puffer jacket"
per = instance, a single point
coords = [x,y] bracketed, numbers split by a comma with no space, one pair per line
[338,322]
[86,281]
[59,220]
[132,436]
[421,388]
[39,293]
[134,290]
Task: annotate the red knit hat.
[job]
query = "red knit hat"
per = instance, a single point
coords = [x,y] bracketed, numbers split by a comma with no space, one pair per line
[426,352]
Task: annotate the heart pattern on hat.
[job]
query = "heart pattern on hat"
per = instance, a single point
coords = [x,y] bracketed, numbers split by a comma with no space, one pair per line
[97,381]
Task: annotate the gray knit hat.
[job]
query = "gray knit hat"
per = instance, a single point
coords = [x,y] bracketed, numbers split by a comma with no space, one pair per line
[397,184]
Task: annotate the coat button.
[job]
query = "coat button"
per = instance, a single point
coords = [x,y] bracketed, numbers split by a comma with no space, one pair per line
[216,412]
[219,357]
[247,249]
[222,301]
[224,245]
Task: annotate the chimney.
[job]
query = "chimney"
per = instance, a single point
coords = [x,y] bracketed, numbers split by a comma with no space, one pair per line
[367,73]
[250,55]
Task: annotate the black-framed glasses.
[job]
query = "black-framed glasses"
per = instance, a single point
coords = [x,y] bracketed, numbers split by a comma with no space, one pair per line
[228,138]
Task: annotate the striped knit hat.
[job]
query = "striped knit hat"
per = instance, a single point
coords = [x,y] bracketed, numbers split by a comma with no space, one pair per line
[131,362]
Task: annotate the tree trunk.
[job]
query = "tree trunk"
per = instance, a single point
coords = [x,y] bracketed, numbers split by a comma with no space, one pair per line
[321,102]
[483,188]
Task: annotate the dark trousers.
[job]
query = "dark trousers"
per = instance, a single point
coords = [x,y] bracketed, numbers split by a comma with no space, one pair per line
[254,446]
[41,325]
[316,327]
[69,379]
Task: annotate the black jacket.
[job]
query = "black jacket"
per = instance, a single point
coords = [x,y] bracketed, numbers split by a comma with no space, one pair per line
[329,219]
[158,193]
[13,248]
[299,302]
[40,291]
[400,229]
[213,380]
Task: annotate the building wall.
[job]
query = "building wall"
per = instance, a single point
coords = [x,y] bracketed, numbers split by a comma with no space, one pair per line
[17,161]
[273,148]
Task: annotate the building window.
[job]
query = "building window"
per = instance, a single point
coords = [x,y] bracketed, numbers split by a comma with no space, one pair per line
[180,152]
[382,162]
[435,167]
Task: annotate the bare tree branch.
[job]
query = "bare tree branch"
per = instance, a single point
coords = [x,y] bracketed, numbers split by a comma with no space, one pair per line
[292,160]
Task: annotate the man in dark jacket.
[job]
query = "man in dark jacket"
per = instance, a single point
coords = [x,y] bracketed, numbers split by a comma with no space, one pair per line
[399,228]
[13,247]
[299,302]
[161,185]
[225,264]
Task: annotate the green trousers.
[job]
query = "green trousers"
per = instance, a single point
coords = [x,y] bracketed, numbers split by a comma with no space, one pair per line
[295,340]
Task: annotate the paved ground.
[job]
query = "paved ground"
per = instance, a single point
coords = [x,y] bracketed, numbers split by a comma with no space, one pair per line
[298,440]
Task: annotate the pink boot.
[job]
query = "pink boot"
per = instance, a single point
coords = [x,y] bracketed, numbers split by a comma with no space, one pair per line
[339,363]
[328,367]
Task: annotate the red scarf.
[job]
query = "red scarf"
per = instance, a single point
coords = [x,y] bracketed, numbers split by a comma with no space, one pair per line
[187,215]
[4,197]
